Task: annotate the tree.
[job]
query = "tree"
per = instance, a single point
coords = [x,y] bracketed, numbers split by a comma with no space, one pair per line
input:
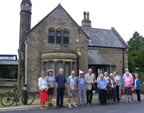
[136,52]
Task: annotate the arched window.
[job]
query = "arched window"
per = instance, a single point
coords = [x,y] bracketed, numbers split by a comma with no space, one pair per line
[51,38]
[65,37]
[58,36]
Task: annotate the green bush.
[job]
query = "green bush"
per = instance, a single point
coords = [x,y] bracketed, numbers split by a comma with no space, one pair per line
[142,90]
[141,75]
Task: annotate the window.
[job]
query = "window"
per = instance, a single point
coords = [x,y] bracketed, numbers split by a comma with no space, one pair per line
[58,66]
[67,69]
[51,65]
[58,37]
[8,71]
[65,37]
[51,36]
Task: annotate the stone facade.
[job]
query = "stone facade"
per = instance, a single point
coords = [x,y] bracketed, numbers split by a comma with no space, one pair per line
[116,58]
[37,53]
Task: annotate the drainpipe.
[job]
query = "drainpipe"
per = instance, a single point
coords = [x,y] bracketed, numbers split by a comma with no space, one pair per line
[123,60]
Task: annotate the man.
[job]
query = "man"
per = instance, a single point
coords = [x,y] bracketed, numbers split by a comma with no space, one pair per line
[102,86]
[117,80]
[60,83]
[124,75]
[90,80]
[71,81]
[81,88]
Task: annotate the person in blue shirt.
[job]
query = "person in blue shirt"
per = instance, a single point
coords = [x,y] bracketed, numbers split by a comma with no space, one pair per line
[137,87]
[102,87]
[60,83]
[81,88]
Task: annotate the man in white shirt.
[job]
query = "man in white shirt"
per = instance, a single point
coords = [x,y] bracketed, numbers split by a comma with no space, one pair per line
[71,81]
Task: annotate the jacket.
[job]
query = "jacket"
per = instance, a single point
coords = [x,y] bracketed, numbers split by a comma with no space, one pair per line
[88,81]
[137,84]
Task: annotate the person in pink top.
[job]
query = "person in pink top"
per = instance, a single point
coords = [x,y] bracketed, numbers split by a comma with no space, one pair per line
[128,83]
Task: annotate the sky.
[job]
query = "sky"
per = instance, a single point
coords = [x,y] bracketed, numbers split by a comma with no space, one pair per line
[127,16]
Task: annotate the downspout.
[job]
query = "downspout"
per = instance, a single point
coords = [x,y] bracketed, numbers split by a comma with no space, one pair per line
[123,61]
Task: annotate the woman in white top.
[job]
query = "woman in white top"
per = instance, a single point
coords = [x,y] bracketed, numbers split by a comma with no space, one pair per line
[43,87]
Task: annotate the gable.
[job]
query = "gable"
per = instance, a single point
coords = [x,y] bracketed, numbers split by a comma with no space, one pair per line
[60,12]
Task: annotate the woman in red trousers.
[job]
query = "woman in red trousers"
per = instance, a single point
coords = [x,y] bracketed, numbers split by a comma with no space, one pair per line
[43,87]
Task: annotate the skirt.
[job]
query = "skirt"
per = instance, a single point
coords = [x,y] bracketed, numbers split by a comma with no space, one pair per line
[43,96]
[50,91]
[128,90]
[112,93]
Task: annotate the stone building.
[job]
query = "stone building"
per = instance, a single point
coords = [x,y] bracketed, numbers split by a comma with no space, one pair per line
[57,41]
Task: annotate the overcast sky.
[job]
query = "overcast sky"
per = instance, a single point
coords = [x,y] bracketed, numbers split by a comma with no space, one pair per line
[127,16]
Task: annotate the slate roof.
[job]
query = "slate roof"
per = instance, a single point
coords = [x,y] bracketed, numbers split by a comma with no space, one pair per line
[104,37]
[95,57]
[9,62]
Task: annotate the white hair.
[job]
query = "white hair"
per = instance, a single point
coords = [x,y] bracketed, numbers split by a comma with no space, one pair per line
[101,75]
[42,72]
[61,69]
[111,74]
[106,73]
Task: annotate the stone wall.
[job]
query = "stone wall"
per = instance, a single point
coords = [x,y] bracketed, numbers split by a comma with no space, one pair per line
[114,57]
[37,43]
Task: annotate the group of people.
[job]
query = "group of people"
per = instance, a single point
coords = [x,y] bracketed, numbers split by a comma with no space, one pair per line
[109,87]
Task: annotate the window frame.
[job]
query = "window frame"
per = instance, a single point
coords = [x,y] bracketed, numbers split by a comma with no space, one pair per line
[49,36]
[59,38]
[65,39]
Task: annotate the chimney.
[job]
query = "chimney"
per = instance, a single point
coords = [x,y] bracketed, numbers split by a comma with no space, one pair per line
[86,21]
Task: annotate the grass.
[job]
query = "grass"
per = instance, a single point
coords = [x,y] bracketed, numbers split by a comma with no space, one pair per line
[37,102]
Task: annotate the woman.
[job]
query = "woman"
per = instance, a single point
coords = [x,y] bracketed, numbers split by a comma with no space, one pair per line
[128,83]
[137,87]
[102,87]
[106,77]
[112,89]
[42,84]
[51,85]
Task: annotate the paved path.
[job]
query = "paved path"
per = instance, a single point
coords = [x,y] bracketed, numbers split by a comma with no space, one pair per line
[121,107]
[95,108]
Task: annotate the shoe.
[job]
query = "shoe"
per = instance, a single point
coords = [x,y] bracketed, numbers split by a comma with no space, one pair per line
[74,104]
[51,105]
[69,105]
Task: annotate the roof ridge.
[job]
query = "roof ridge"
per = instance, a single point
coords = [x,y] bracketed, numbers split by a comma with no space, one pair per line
[96,28]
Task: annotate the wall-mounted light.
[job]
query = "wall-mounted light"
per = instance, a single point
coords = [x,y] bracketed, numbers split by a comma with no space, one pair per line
[77,40]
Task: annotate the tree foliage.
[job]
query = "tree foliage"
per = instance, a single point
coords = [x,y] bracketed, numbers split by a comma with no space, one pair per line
[136,53]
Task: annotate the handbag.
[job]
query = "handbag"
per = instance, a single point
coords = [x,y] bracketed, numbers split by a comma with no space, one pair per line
[122,92]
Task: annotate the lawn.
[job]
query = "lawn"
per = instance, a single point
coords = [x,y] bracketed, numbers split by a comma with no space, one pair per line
[37,102]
